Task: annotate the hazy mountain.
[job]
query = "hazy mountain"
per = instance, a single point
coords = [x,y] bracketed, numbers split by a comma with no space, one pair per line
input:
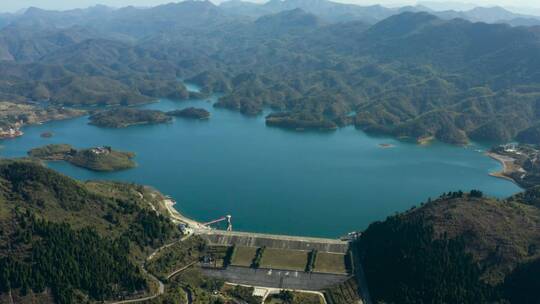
[23,43]
[338,12]
[327,10]
[295,19]
[5,19]
[491,15]
[245,8]
[448,5]
[525,10]
[129,21]
[132,22]
[34,16]
[139,22]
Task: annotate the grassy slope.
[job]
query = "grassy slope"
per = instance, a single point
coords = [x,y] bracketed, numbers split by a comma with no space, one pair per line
[243,256]
[330,262]
[284,259]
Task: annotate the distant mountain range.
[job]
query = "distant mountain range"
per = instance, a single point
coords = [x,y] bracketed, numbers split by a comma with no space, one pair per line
[412,74]
[326,10]
[338,12]
[490,15]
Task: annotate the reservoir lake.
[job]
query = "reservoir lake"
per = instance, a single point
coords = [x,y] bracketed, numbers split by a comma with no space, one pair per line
[272,180]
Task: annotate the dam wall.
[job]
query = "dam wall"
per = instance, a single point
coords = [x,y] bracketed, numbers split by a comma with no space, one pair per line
[230,238]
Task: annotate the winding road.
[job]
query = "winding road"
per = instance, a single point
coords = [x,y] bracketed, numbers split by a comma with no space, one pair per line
[181,269]
[161,290]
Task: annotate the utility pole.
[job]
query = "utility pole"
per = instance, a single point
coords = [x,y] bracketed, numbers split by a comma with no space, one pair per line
[229,222]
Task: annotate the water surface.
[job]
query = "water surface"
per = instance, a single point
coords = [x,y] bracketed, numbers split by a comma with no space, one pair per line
[272,180]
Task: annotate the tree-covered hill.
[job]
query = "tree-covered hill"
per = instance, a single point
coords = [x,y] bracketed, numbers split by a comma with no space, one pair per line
[73,241]
[125,117]
[459,248]
[412,74]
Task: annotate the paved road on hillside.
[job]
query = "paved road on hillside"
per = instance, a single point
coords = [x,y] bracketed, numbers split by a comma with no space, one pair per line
[161,288]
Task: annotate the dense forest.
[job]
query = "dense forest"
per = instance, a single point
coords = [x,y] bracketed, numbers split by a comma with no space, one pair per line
[422,269]
[191,112]
[66,260]
[459,248]
[74,241]
[125,117]
[404,72]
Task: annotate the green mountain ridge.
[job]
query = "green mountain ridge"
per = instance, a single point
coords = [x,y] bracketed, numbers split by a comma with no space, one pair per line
[412,74]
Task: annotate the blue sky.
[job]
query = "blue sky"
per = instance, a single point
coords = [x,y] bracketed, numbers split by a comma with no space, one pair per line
[14,5]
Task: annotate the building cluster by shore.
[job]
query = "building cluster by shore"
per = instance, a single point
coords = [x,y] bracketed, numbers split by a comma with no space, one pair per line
[10,132]
[519,161]
[507,163]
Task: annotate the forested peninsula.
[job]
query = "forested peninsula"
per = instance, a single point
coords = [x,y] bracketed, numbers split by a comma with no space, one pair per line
[126,117]
[96,159]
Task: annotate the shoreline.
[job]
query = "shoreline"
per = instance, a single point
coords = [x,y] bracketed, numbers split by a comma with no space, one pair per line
[425,140]
[507,163]
[198,228]
[176,216]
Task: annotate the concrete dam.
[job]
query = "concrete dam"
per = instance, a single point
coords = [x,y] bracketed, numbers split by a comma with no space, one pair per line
[230,238]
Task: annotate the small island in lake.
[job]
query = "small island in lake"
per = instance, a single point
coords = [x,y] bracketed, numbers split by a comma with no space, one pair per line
[425,140]
[386,146]
[125,117]
[47,134]
[191,112]
[96,159]
[300,121]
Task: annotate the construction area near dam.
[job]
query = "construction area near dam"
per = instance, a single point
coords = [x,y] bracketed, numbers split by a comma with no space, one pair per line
[284,262]
[270,263]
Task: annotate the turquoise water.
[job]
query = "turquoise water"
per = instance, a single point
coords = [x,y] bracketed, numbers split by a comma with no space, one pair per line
[272,180]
